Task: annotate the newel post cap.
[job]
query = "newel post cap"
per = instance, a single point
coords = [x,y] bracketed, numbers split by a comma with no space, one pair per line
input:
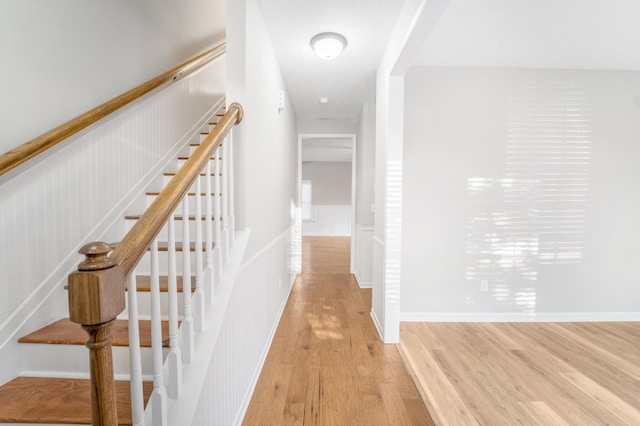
[96,289]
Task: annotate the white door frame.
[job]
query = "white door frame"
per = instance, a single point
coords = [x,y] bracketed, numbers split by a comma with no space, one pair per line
[352,136]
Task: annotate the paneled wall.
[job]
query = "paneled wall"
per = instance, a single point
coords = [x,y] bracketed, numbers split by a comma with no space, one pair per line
[256,303]
[76,194]
[520,196]
[331,198]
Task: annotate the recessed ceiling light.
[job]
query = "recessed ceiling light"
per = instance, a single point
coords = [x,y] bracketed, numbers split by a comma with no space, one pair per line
[324,100]
[328,45]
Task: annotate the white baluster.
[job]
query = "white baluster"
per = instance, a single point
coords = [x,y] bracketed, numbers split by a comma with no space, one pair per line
[198,297]
[217,248]
[135,363]
[187,321]
[225,199]
[209,274]
[230,218]
[159,394]
[174,359]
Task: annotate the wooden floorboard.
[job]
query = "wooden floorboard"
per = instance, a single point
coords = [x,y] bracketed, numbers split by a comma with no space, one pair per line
[51,400]
[526,373]
[327,365]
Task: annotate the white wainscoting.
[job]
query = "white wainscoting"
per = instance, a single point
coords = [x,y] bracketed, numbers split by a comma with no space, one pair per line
[364,256]
[75,194]
[252,315]
[330,221]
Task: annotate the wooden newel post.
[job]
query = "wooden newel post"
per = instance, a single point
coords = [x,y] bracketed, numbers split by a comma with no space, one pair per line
[96,297]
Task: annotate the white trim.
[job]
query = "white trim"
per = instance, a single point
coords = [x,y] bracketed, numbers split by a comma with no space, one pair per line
[352,136]
[519,317]
[376,323]
[366,228]
[262,251]
[362,284]
[267,347]
[354,182]
[378,241]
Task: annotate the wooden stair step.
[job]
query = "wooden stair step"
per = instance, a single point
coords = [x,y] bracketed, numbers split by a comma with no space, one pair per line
[175,217]
[164,246]
[143,283]
[191,194]
[186,158]
[201,174]
[65,332]
[197,144]
[53,400]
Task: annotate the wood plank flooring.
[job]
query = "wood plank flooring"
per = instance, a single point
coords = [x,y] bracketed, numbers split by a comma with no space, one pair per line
[326,365]
[46,400]
[526,373]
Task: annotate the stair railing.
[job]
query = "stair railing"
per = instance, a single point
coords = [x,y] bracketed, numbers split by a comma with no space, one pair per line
[31,149]
[97,288]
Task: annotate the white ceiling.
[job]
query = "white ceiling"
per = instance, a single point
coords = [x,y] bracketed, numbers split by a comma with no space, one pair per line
[565,34]
[573,34]
[347,81]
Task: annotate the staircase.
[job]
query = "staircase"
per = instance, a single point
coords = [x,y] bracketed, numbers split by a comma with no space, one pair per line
[56,389]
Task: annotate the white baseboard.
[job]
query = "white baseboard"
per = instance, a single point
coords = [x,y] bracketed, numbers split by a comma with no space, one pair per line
[377,324]
[519,317]
[362,284]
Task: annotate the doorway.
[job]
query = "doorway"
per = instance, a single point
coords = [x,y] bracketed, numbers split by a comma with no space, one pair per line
[327,186]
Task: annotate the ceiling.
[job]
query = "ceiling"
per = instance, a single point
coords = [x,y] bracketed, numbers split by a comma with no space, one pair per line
[347,81]
[565,34]
[570,34]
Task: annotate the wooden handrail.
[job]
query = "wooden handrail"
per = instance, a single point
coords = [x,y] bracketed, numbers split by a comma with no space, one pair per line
[34,147]
[133,246]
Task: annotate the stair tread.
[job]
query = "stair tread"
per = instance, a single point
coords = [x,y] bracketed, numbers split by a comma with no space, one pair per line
[191,194]
[55,400]
[143,283]
[175,217]
[201,174]
[164,246]
[65,332]
[186,158]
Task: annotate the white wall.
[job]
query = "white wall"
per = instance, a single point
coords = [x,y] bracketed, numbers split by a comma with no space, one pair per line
[331,181]
[524,182]
[365,176]
[65,57]
[266,194]
[331,198]
[266,160]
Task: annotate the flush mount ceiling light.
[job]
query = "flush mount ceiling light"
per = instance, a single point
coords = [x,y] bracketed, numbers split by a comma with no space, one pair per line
[328,45]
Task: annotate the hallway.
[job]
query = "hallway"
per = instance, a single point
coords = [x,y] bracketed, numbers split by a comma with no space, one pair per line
[327,365]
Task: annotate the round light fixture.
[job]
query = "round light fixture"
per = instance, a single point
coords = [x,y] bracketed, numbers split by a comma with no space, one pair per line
[328,45]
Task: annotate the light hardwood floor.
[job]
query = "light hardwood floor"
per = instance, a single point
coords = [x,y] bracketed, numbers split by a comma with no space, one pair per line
[526,373]
[326,365]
